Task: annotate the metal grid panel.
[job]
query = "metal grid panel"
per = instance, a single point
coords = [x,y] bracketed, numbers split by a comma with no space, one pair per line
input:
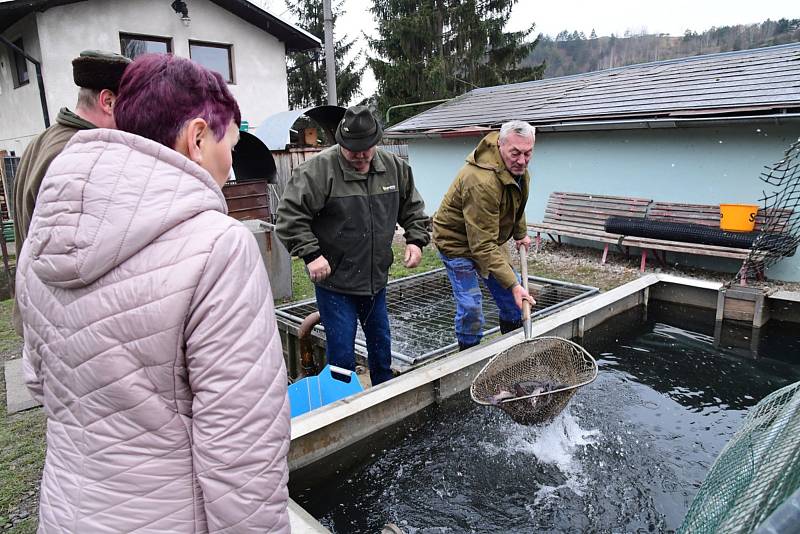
[422,311]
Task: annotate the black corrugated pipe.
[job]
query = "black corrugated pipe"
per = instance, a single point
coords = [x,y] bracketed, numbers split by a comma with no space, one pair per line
[39,78]
[700,233]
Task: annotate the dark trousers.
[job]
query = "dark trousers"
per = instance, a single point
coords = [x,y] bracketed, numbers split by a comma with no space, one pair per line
[339,313]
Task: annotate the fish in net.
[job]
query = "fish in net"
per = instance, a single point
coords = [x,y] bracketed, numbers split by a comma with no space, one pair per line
[534,380]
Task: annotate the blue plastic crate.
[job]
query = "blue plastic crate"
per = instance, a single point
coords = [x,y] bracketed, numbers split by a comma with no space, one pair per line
[314,391]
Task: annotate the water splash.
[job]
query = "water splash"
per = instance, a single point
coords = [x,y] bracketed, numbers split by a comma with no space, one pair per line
[556,444]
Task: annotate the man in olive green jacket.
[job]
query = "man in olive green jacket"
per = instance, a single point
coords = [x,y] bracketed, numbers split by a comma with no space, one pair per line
[338,213]
[482,210]
[97,74]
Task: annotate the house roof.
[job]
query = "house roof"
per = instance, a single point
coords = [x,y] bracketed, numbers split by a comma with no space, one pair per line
[749,81]
[295,38]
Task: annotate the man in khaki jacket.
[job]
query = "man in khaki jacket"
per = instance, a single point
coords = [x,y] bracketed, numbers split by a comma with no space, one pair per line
[482,210]
[97,74]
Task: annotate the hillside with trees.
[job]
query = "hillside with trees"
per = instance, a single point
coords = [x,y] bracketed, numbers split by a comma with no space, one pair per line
[574,52]
[429,50]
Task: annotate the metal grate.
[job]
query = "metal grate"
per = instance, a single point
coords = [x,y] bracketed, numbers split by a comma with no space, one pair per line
[422,311]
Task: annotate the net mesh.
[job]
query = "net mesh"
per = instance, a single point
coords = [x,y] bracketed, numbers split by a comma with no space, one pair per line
[549,359]
[755,472]
[780,218]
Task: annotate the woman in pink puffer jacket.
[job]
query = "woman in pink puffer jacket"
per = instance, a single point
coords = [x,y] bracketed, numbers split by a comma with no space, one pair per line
[150,334]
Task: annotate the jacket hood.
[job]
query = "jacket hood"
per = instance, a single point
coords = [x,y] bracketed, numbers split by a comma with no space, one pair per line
[487,154]
[108,195]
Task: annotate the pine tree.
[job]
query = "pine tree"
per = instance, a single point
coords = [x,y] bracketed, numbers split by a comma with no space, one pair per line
[437,49]
[306,70]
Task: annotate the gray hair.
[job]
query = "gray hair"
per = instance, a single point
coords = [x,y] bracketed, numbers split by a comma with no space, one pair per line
[87,98]
[520,128]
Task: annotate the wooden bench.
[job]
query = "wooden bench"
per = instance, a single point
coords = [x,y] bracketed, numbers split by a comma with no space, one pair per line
[583,216]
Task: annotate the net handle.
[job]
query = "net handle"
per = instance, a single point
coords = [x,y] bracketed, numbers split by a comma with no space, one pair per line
[526,306]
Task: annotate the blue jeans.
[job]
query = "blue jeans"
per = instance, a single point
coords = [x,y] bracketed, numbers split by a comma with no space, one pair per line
[464,278]
[339,312]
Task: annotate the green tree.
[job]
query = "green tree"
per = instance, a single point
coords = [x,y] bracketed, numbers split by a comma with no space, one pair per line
[437,49]
[306,70]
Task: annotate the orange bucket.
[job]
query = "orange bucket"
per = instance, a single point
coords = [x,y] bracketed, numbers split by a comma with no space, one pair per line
[737,217]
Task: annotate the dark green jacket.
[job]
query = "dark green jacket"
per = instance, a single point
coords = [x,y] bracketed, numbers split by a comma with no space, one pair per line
[482,210]
[331,210]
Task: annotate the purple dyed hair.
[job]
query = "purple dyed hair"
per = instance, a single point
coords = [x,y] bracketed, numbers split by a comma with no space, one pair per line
[160,93]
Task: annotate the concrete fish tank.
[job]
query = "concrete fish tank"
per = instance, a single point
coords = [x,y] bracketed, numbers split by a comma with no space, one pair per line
[628,454]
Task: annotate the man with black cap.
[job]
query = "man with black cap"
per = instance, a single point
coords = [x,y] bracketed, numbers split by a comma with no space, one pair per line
[97,74]
[338,213]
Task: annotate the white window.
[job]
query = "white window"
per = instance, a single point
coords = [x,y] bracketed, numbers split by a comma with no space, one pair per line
[214,56]
[20,72]
[133,45]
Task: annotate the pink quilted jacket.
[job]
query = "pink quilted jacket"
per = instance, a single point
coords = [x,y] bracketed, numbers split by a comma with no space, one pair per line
[150,337]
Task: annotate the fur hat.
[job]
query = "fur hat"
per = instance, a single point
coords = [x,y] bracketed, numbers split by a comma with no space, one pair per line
[358,130]
[94,69]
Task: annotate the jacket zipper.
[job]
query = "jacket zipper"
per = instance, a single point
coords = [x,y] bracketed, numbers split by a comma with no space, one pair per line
[372,238]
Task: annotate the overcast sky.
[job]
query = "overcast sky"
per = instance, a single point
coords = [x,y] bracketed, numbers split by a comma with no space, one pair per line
[671,16]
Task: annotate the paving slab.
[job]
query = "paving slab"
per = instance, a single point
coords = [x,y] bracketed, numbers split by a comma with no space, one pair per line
[17,396]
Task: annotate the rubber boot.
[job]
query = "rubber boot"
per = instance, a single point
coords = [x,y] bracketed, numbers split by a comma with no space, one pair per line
[509,326]
[465,346]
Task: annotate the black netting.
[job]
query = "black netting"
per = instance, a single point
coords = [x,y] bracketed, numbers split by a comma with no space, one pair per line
[779,205]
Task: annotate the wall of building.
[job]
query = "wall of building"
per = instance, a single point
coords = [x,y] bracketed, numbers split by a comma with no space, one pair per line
[259,61]
[709,165]
[21,115]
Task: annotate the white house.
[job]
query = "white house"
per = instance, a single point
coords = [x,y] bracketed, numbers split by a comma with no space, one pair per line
[246,44]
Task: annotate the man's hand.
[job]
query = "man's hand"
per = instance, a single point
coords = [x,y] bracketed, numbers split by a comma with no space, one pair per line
[520,295]
[413,256]
[319,269]
[526,241]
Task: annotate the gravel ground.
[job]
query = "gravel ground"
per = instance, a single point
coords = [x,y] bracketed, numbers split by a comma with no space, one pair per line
[12,353]
[581,264]
[24,514]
